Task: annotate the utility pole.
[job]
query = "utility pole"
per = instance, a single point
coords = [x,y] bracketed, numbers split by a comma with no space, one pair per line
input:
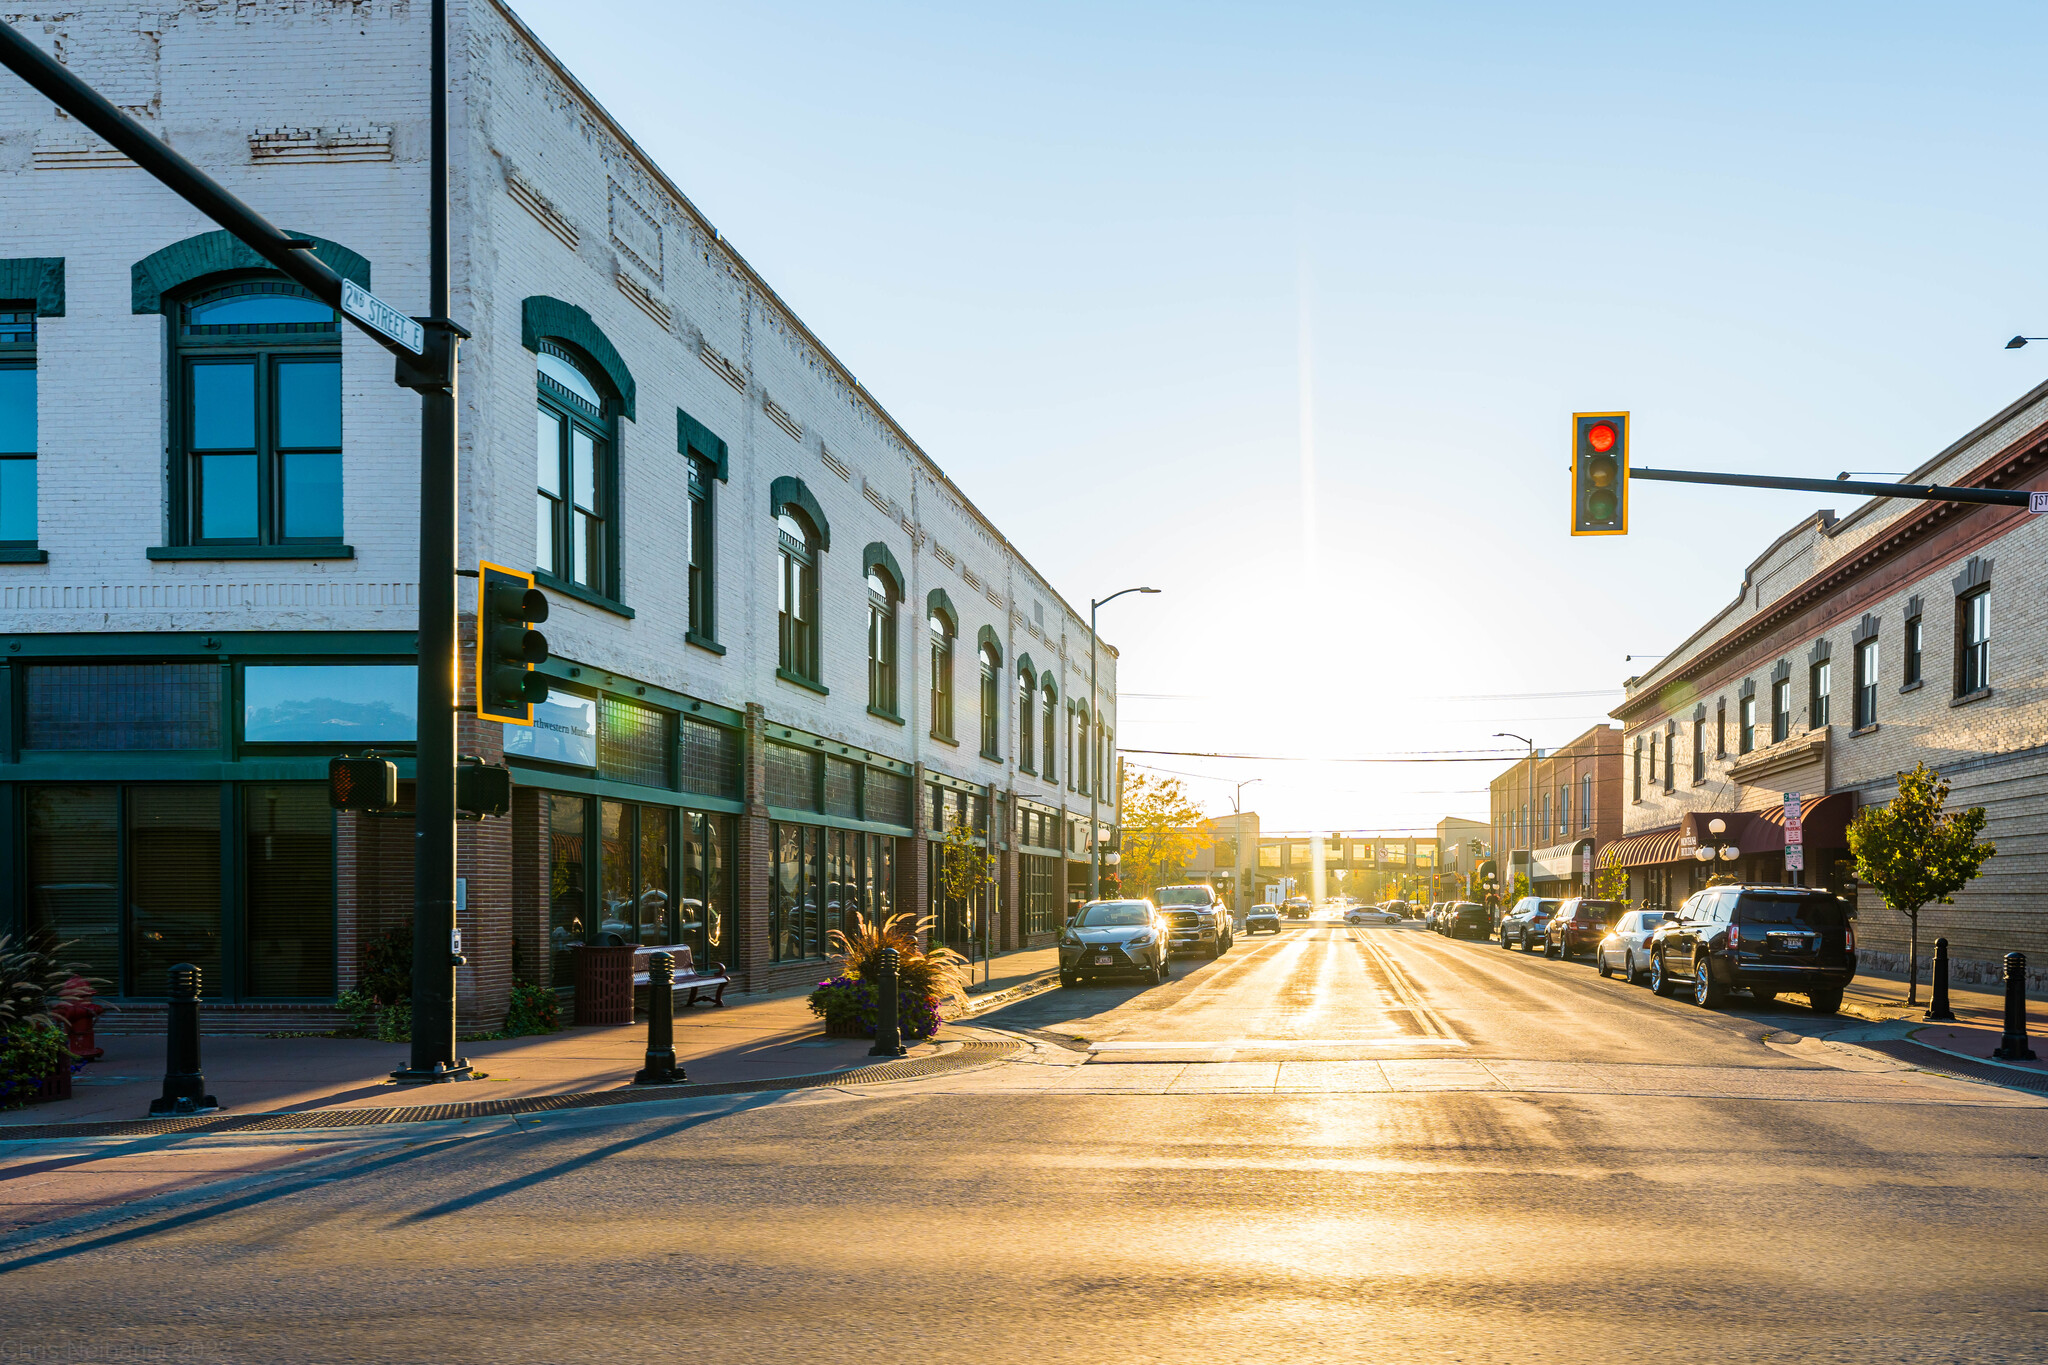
[1095,769]
[1237,845]
[426,362]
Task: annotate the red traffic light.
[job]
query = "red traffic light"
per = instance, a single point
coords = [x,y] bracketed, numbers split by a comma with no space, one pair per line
[1600,436]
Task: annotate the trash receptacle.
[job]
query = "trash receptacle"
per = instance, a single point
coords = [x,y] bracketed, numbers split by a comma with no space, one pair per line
[604,984]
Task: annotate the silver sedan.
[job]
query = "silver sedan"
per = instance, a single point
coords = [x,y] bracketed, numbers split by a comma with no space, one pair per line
[1626,947]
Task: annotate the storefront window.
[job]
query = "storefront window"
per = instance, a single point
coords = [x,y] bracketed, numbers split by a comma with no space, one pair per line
[635,864]
[705,909]
[74,875]
[173,847]
[336,704]
[567,885]
[288,862]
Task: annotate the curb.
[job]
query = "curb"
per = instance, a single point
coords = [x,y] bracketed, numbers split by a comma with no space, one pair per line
[1009,995]
[1942,1062]
[969,1055]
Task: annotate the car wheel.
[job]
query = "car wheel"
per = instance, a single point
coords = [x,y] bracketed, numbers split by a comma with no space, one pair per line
[1067,980]
[1660,980]
[1215,951]
[1600,959]
[1825,1002]
[1707,993]
[1552,951]
[1162,975]
[1527,946]
[1503,940]
[1628,968]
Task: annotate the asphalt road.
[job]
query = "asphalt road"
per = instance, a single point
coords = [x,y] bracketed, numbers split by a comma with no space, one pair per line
[1369,1145]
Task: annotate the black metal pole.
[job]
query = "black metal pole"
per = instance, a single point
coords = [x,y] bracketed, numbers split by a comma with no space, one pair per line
[434,956]
[1937,1008]
[2013,1046]
[659,1067]
[184,1084]
[888,1038]
[1926,492]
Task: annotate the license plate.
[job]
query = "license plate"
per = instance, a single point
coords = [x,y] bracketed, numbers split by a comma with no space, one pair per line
[1104,961]
[1788,943]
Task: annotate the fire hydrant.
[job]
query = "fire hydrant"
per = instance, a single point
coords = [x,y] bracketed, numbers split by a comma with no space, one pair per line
[78,1011]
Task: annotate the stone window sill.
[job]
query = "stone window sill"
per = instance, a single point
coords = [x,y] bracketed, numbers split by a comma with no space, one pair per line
[945,739]
[889,716]
[1979,695]
[250,552]
[24,555]
[808,684]
[1869,729]
[993,758]
[705,642]
[587,596]
[1913,686]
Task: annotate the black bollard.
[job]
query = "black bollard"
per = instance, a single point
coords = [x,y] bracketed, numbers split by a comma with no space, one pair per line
[2013,1046]
[888,1038]
[184,1086]
[660,1067]
[1938,1007]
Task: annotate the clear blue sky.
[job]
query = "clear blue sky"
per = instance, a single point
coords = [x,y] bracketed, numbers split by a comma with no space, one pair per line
[1284,309]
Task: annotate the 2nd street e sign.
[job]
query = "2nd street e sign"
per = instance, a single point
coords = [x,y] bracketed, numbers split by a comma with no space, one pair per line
[379,316]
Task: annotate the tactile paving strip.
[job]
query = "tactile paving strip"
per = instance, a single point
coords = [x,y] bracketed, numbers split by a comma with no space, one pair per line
[1930,1059]
[968,1054]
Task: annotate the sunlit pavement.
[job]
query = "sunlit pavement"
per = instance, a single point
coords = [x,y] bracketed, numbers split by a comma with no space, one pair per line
[1335,1144]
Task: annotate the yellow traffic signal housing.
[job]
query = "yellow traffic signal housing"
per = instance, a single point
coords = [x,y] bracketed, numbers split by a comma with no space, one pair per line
[507,646]
[1599,473]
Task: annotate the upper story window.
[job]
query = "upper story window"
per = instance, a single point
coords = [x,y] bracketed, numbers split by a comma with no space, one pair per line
[1653,760]
[882,671]
[1048,728]
[942,633]
[1866,683]
[1973,642]
[1819,680]
[796,595]
[257,436]
[1781,709]
[991,703]
[17,427]
[1914,642]
[1586,801]
[1081,741]
[576,474]
[1027,717]
[1746,726]
[1544,827]
[1636,777]
[1699,749]
[702,475]
[1670,754]
[1564,809]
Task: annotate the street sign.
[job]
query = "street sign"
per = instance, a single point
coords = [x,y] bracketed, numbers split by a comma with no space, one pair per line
[1792,832]
[1795,858]
[2037,502]
[379,316]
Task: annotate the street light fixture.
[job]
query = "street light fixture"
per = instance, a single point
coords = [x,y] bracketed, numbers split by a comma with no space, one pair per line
[2018,342]
[1509,734]
[1237,877]
[1095,780]
[1707,853]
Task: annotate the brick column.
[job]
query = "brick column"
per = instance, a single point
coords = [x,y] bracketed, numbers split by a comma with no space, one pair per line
[483,860]
[752,860]
[531,955]
[1006,870]
[913,873]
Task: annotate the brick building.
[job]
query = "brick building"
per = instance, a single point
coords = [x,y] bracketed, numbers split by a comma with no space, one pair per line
[1857,646]
[1372,868]
[789,652]
[1553,814]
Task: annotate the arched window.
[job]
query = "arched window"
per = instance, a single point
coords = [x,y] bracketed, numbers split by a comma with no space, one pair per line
[1081,751]
[942,633]
[796,593]
[1027,714]
[573,467]
[991,703]
[1049,727]
[882,596]
[258,416]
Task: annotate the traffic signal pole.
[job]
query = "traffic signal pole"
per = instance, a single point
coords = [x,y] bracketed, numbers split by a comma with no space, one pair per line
[1925,492]
[429,369]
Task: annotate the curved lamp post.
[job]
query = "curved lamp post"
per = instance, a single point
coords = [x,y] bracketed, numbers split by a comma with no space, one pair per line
[1095,769]
[1716,851]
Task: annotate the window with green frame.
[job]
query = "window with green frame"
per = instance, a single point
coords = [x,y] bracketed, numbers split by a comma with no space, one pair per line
[576,473]
[17,426]
[257,434]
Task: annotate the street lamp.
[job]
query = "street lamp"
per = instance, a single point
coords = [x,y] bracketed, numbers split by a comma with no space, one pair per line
[2018,342]
[1095,781]
[1237,843]
[1717,851]
[1509,734]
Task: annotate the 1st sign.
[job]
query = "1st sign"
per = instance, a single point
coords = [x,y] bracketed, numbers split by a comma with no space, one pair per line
[380,317]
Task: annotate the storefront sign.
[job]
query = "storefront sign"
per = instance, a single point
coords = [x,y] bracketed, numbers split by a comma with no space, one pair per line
[564,730]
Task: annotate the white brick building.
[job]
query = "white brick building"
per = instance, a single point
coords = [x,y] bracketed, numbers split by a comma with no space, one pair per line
[1857,646]
[196,617]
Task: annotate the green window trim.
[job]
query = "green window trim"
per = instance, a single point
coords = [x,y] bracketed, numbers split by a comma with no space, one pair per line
[171,269]
[250,552]
[541,316]
[24,556]
[693,438]
[800,680]
[790,491]
[986,638]
[937,601]
[583,594]
[877,554]
[37,278]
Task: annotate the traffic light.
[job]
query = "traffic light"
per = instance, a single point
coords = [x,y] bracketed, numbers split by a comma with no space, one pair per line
[507,646]
[1599,473]
[483,789]
[362,783]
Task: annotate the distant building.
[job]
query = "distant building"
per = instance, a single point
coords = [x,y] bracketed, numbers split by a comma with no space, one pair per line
[1554,813]
[1368,868]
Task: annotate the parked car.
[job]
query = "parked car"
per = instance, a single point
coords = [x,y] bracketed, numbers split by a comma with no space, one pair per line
[1262,919]
[1114,938]
[1400,909]
[1198,918]
[1578,926]
[1763,939]
[1523,926]
[1464,919]
[1296,907]
[1370,914]
[1626,948]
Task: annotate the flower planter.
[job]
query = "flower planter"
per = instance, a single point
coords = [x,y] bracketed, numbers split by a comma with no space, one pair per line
[55,1086]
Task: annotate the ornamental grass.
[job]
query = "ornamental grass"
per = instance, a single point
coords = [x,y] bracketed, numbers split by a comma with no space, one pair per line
[937,973]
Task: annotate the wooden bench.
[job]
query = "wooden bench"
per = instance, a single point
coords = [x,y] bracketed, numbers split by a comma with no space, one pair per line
[687,977]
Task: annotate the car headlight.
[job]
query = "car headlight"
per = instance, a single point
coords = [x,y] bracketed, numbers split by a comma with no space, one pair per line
[1139,941]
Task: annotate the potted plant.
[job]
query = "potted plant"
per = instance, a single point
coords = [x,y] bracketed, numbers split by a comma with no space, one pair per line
[35,1061]
[925,979]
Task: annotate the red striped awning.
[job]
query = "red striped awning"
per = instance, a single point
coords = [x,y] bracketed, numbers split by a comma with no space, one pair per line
[1641,850]
[1823,821]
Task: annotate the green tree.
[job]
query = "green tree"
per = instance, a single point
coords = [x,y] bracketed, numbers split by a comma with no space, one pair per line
[1160,828]
[965,873]
[1915,854]
[1610,881]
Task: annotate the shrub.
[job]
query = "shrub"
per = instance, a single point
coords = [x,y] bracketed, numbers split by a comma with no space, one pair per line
[32,980]
[369,1019]
[30,1051]
[387,965]
[534,1010]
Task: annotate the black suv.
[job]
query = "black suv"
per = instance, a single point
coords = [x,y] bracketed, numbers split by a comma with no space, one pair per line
[1578,926]
[1524,925]
[1463,919]
[1763,939]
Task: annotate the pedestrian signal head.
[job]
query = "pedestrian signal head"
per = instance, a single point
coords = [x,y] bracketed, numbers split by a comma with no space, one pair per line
[362,783]
[1599,473]
[507,646]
